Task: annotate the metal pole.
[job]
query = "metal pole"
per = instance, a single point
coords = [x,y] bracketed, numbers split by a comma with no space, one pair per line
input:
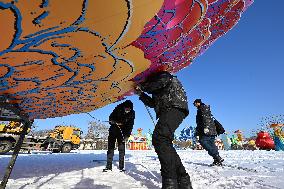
[15,155]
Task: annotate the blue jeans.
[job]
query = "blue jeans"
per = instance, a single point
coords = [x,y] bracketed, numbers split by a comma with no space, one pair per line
[208,143]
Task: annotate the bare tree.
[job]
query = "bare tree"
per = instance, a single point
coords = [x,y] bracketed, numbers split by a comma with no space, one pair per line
[97,130]
[90,133]
[39,133]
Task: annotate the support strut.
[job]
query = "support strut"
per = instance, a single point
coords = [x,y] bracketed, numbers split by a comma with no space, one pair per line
[11,112]
[17,148]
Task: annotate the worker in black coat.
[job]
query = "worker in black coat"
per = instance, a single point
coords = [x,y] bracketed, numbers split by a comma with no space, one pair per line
[170,103]
[121,124]
[206,131]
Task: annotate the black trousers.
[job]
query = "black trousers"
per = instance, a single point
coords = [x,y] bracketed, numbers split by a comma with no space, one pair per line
[115,134]
[163,135]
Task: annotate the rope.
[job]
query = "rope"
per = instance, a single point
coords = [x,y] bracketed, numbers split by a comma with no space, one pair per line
[150,115]
[94,117]
[124,145]
[120,131]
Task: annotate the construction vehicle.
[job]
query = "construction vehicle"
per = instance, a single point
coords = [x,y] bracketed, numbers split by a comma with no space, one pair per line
[60,139]
[63,139]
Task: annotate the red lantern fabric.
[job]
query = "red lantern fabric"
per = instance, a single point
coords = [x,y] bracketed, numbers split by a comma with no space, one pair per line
[264,141]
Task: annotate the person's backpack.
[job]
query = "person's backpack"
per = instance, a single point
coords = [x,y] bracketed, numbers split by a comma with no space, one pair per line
[219,128]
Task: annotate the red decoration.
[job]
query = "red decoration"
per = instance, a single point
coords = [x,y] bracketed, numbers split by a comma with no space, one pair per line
[264,141]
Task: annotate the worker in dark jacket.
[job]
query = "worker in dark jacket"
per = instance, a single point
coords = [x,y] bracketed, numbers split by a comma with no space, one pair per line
[206,131]
[170,103]
[121,124]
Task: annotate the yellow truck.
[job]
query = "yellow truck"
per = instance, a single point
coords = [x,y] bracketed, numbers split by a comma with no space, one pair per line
[64,139]
[60,139]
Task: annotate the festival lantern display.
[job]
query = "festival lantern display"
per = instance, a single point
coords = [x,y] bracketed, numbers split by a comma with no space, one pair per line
[185,139]
[264,141]
[198,146]
[278,136]
[219,144]
[226,141]
[240,137]
[237,140]
[149,139]
[251,145]
[138,141]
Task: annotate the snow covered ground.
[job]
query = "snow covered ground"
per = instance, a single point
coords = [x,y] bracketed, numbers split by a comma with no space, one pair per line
[83,169]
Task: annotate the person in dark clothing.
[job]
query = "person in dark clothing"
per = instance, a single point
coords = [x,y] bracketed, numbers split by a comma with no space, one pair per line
[170,103]
[121,124]
[206,131]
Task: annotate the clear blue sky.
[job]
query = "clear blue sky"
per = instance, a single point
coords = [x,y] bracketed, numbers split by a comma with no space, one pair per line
[240,76]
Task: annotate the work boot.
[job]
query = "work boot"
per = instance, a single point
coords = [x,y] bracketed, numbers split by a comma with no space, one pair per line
[184,182]
[108,168]
[169,184]
[217,160]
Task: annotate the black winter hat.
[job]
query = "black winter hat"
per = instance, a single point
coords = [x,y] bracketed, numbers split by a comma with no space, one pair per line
[197,101]
[128,104]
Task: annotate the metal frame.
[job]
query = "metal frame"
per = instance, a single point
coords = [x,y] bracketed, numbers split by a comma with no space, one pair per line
[10,112]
